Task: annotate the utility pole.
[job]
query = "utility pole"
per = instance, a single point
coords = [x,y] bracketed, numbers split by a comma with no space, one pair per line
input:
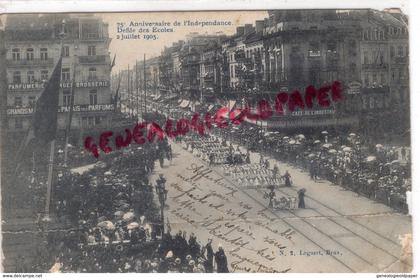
[137,90]
[128,90]
[144,83]
[3,107]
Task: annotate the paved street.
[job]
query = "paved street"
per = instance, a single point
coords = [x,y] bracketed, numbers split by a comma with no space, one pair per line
[338,231]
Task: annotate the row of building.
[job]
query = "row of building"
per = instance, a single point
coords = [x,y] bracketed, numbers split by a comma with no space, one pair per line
[366,50]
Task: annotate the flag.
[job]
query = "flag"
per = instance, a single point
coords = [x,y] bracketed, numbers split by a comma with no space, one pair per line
[44,121]
[117,95]
[113,61]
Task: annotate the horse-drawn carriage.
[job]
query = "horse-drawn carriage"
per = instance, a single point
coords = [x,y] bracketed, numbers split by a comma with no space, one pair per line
[283,202]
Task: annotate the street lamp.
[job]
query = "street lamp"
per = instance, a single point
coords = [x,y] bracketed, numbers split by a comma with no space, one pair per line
[162,195]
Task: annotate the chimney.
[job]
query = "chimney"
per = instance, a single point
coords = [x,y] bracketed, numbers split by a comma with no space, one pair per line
[259,26]
[240,30]
[248,29]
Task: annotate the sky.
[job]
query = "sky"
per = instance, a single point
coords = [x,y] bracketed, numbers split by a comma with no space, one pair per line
[128,50]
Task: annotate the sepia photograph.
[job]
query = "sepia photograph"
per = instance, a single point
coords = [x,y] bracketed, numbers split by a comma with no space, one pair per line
[236,141]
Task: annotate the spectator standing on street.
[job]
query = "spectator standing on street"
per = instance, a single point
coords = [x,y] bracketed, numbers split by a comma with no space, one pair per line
[221,261]
[301,197]
[210,255]
[287,180]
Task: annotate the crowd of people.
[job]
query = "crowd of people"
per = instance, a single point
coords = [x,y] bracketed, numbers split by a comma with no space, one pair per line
[116,222]
[171,253]
[376,171]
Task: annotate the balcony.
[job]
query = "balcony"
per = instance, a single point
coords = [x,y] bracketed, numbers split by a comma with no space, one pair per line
[400,60]
[314,53]
[33,62]
[374,66]
[97,59]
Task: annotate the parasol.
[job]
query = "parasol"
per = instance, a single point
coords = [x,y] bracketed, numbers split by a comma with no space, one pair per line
[332,151]
[352,134]
[370,158]
[379,146]
[327,146]
[128,216]
[106,225]
[317,142]
[133,225]
[324,132]
[347,149]
[300,136]
[119,214]
[291,142]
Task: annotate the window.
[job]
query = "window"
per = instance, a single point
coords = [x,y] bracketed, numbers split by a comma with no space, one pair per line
[332,47]
[393,75]
[91,50]
[66,97]
[29,54]
[18,101]
[31,101]
[365,35]
[353,70]
[392,51]
[97,120]
[383,79]
[93,97]
[16,54]
[16,77]
[66,51]
[92,74]
[44,54]
[65,74]
[371,102]
[381,58]
[18,123]
[364,102]
[44,75]
[400,51]
[31,76]
[90,121]
[314,49]
[367,80]
[84,121]
[374,78]
[365,57]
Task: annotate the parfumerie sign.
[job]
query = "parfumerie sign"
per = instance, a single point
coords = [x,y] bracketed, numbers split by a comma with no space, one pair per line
[81,84]
[61,109]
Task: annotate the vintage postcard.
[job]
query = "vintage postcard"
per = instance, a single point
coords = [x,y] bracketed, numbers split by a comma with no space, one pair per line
[206,141]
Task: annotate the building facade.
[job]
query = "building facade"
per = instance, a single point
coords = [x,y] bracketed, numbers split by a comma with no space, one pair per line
[34,47]
[366,50]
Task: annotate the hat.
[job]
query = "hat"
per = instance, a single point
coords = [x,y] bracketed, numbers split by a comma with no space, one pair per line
[169,254]
[178,260]
[191,262]
[188,257]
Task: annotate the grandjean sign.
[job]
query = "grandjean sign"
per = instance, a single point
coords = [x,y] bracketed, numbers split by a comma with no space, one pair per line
[63,109]
[37,85]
